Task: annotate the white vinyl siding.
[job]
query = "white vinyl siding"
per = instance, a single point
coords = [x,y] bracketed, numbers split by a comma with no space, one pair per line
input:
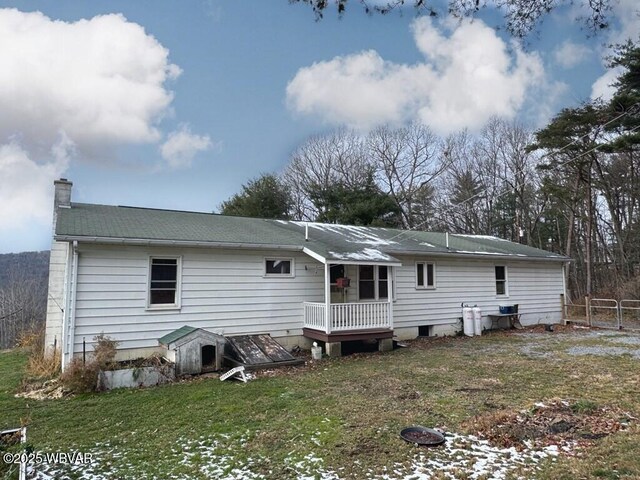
[223,291]
[534,286]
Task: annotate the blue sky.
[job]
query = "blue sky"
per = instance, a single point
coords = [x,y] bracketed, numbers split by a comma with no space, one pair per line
[176,104]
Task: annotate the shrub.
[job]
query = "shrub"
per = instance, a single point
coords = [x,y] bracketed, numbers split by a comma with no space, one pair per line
[81,377]
[104,351]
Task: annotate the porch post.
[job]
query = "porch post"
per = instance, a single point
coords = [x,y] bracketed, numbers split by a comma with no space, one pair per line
[327,298]
[390,299]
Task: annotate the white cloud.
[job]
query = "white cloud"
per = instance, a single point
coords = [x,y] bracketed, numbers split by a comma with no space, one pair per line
[27,187]
[570,54]
[603,87]
[72,88]
[99,80]
[466,78]
[182,145]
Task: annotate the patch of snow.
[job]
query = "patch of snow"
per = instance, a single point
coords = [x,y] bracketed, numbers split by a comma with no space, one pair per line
[367,254]
[217,457]
[485,237]
[350,233]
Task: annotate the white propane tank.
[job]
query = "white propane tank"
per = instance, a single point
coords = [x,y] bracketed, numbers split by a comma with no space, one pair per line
[467,321]
[477,320]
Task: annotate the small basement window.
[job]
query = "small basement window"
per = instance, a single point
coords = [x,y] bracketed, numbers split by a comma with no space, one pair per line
[425,275]
[425,331]
[164,284]
[278,267]
[501,280]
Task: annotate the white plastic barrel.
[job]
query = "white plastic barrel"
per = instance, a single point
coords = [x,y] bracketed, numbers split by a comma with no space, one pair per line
[477,320]
[467,321]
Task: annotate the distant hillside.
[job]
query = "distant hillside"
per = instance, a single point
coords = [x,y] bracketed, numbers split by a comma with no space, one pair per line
[31,265]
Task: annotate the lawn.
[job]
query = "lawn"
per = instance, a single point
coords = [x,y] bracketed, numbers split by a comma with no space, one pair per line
[340,418]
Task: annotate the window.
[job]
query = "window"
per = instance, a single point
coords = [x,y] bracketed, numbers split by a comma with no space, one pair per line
[373,282]
[425,275]
[278,267]
[501,280]
[164,282]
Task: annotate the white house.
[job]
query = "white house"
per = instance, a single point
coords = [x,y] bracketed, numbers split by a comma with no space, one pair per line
[136,274]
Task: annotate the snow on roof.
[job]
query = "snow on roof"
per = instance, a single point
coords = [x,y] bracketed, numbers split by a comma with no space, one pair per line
[351,233]
[477,237]
[367,254]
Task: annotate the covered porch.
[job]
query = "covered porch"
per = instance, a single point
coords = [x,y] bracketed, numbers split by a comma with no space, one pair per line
[358,304]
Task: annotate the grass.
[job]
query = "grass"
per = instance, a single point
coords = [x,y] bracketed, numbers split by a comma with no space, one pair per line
[341,415]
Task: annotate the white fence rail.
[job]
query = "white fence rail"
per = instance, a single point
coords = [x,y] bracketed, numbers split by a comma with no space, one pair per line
[348,316]
[314,316]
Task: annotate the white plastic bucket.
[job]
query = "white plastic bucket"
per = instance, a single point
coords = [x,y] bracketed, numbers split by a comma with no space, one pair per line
[316,353]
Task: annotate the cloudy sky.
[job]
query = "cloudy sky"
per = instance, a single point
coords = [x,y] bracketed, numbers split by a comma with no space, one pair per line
[174,104]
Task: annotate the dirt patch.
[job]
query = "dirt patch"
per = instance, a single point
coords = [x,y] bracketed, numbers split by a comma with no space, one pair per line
[555,422]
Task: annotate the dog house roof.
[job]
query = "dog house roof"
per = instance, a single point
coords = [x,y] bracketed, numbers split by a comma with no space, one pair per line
[182,332]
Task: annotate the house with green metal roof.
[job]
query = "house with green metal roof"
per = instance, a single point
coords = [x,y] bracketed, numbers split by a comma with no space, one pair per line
[137,274]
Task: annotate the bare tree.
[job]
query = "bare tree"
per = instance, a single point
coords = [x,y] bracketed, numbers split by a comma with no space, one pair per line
[22,306]
[322,162]
[408,160]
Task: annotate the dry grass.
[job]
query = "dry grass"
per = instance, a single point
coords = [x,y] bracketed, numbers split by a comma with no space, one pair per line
[40,365]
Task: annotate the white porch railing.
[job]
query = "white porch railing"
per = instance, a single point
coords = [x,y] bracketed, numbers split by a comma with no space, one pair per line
[348,316]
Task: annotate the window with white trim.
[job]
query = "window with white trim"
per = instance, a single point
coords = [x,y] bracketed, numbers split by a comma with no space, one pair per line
[501,280]
[164,282]
[425,275]
[278,267]
[373,282]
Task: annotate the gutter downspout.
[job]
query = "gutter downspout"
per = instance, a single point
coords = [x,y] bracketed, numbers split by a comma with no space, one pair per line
[65,310]
[71,308]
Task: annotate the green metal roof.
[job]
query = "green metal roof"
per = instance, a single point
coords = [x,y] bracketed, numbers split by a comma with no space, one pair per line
[103,221]
[327,242]
[176,335]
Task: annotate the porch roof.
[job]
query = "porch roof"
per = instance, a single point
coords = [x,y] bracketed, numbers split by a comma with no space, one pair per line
[325,242]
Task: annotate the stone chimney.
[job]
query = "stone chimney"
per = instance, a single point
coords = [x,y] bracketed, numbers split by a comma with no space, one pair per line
[62,197]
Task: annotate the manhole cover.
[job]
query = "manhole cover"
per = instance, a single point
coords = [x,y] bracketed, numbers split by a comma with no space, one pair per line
[422,436]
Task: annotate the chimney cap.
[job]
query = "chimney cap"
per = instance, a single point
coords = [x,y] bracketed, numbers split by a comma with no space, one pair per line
[63,180]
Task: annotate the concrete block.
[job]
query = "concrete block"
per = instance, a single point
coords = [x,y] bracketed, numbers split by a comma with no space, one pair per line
[333,349]
[385,344]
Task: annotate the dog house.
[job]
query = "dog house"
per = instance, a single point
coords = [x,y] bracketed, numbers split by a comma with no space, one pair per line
[194,350]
